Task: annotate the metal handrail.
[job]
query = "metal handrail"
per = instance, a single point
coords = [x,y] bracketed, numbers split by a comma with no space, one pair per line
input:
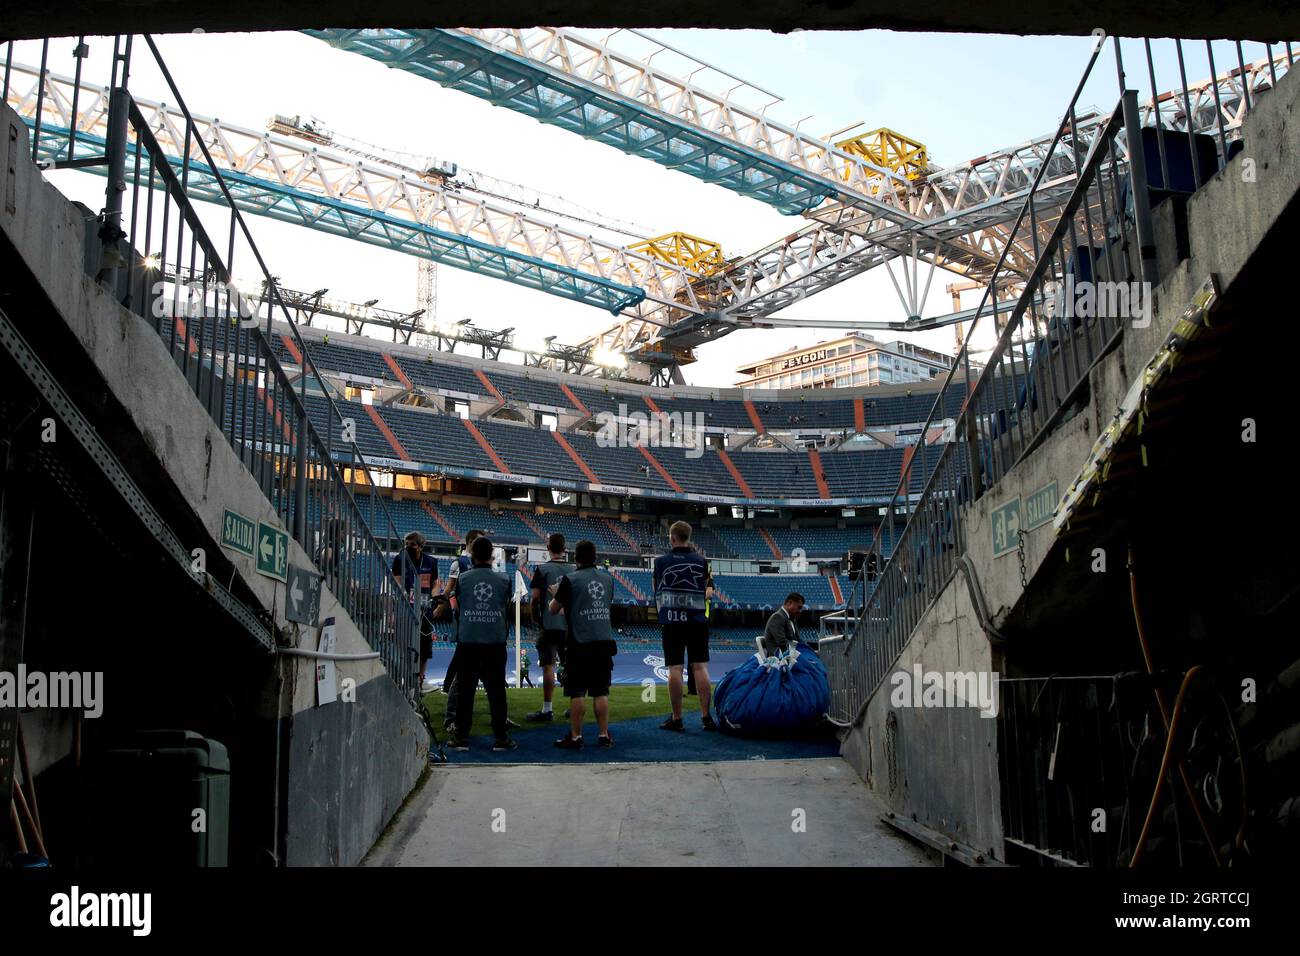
[936,519]
[963,357]
[940,506]
[271,285]
[309,451]
[285,441]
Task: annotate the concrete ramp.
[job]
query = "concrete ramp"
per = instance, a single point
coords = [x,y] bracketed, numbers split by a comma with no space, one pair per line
[729,813]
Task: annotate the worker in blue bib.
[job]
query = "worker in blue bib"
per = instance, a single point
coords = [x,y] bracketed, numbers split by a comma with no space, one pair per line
[462,562]
[682,586]
[483,597]
[584,595]
[551,638]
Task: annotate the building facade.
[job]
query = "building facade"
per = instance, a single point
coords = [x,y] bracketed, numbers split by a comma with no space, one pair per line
[855,359]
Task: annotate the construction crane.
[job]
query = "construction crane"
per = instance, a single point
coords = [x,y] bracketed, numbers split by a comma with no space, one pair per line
[668,296]
[690,252]
[427,169]
[453,177]
[870,199]
[318,180]
[885,148]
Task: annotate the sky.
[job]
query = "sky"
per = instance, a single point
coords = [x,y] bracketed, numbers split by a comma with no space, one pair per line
[962,95]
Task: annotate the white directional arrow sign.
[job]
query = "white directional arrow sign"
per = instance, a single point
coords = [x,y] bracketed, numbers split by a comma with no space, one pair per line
[302,596]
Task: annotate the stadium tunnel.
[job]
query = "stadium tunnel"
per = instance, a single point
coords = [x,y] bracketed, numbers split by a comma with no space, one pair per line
[1165,587]
[102,501]
[1200,18]
[95,580]
[1186,561]
[110,568]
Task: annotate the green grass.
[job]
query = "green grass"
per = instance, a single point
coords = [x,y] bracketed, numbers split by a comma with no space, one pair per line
[625,703]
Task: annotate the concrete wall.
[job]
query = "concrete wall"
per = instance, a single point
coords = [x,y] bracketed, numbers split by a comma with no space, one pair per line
[346,783]
[945,760]
[937,766]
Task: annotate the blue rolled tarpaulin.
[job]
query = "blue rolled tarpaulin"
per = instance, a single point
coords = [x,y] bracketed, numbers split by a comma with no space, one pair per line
[776,696]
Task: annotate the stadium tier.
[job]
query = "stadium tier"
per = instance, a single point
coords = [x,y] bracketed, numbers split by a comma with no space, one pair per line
[446,524]
[395,403]
[435,413]
[848,448]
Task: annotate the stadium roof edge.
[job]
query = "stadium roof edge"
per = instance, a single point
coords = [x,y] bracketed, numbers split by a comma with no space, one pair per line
[637,389]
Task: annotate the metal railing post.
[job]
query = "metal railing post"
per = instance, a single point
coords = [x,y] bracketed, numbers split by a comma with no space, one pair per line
[110,228]
[1137,171]
[300,484]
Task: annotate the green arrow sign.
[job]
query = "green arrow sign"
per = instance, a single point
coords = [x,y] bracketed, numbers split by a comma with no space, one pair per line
[238,533]
[1006,524]
[272,552]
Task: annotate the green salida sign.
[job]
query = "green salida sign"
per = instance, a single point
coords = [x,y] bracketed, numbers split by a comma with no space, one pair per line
[1040,506]
[238,533]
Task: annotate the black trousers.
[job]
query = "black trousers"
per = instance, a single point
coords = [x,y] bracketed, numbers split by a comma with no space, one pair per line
[486,662]
[450,686]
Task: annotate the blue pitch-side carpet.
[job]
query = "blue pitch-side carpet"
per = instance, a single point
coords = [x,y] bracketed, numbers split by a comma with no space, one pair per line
[640,741]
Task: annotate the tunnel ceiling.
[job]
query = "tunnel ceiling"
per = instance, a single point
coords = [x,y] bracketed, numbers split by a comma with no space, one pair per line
[1191,18]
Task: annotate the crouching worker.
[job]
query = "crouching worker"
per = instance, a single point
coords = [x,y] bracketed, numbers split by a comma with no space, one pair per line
[483,597]
[584,595]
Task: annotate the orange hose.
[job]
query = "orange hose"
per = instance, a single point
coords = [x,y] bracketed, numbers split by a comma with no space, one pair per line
[1164,766]
[29,779]
[1149,660]
[21,802]
[13,818]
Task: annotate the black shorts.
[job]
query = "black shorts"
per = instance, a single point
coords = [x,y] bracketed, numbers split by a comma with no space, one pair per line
[589,667]
[692,637]
[550,648]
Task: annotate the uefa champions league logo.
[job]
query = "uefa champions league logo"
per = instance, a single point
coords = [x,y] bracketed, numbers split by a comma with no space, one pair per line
[482,591]
[684,576]
[596,590]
